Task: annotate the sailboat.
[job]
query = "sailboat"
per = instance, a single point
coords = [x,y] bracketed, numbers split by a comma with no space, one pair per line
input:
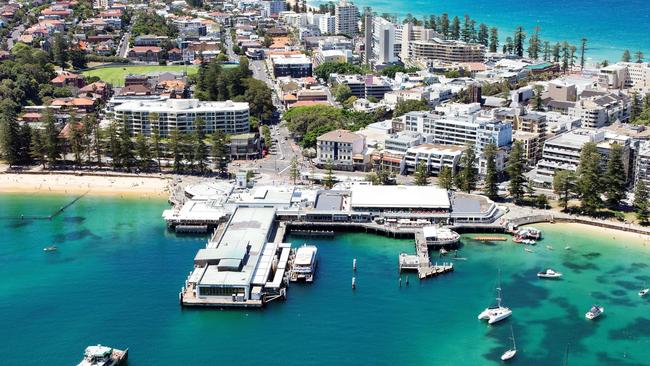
[497,313]
[511,352]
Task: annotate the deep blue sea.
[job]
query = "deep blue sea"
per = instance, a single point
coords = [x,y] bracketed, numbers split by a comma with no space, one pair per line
[611,26]
[116,276]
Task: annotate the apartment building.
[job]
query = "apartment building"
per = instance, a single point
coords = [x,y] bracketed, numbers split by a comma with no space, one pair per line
[365,86]
[383,41]
[296,66]
[340,148]
[445,50]
[346,18]
[625,75]
[433,156]
[228,116]
[597,109]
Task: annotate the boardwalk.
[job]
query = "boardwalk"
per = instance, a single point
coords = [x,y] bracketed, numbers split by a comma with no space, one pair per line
[425,268]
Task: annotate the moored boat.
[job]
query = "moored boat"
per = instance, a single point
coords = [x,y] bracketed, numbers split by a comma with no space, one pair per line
[440,236]
[549,273]
[644,292]
[594,312]
[511,352]
[103,356]
[51,248]
[304,265]
[496,313]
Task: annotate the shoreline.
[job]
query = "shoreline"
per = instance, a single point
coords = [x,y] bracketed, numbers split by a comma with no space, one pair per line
[621,237]
[95,185]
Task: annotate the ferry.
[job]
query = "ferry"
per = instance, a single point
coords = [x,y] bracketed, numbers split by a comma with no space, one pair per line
[103,356]
[304,265]
[440,236]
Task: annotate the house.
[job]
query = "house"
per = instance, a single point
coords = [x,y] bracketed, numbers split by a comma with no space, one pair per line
[145,53]
[68,79]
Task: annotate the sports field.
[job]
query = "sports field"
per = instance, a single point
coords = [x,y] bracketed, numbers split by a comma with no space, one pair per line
[115,74]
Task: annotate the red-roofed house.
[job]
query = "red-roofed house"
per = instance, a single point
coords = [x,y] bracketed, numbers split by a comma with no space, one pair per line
[145,53]
[79,104]
[68,79]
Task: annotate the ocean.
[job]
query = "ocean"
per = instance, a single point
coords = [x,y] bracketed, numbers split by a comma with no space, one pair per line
[116,276]
[610,26]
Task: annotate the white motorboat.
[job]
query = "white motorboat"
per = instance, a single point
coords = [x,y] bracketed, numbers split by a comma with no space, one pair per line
[529,250]
[103,356]
[52,248]
[594,312]
[644,292]
[435,236]
[549,273]
[550,247]
[511,352]
[443,251]
[495,314]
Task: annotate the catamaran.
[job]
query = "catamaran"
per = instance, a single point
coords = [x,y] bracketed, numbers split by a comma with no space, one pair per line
[511,352]
[497,313]
[103,356]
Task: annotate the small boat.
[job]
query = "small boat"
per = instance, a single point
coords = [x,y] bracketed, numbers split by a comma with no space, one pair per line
[51,248]
[103,356]
[304,264]
[549,273]
[644,292]
[529,250]
[567,247]
[549,247]
[443,251]
[511,352]
[594,312]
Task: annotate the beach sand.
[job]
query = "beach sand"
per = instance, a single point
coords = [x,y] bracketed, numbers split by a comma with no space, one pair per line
[624,238]
[135,186]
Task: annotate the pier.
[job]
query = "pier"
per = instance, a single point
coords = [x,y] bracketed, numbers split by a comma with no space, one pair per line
[421,260]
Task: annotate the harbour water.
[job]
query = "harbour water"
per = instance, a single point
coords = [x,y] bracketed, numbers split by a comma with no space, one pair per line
[116,275]
[611,26]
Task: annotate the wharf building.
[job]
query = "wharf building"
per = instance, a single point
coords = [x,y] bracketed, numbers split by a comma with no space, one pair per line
[229,117]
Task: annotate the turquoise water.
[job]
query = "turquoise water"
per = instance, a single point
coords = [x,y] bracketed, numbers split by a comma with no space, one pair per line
[611,26]
[116,277]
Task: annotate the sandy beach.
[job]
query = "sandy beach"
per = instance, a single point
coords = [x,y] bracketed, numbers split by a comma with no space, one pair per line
[131,186]
[623,238]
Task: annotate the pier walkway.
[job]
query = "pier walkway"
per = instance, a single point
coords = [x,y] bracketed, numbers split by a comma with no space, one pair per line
[425,268]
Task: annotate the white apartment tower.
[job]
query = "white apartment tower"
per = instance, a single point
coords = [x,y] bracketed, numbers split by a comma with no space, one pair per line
[383,41]
[327,24]
[346,18]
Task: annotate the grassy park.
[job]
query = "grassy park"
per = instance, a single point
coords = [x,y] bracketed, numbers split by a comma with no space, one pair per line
[115,74]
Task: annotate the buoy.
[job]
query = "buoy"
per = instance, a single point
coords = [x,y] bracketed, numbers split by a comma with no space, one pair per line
[354,283]
[354,264]
[400,281]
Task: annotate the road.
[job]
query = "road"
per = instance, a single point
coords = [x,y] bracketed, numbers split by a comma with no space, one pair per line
[123,47]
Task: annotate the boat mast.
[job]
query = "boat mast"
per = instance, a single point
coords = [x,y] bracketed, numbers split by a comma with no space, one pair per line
[514,345]
[499,289]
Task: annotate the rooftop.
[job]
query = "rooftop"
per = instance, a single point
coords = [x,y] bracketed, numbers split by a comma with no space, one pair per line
[367,196]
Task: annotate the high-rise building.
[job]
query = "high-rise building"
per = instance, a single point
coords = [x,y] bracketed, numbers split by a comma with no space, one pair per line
[383,41]
[273,8]
[327,24]
[368,32]
[346,18]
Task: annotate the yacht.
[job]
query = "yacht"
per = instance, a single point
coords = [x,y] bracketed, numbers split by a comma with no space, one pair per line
[103,356]
[52,248]
[496,313]
[304,265]
[644,292]
[549,273]
[511,352]
[594,312]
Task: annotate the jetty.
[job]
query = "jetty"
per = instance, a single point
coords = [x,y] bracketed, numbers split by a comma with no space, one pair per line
[421,260]
[490,238]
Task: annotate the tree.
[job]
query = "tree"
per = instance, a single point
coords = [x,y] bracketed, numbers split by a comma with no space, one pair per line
[614,179]
[142,150]
[626,56]
[60,50]
[547,51]
[175,147]
[77,58]
[538,102]
[341,92]
[534,45]
[641,202]
[75,140]
[638,56]
[421,175]
[455,28]
[556,52]
[589,184]
[52,144]
[114,145]
[469,173]
[328,181]
[293,171]
[446,178]
[219,151]
[410,105]
[126,147]
[37,147]
[199,153]
[466,33]
[483,35]
[444,24]
[541,201]
[494,39]
[518,41]
[490,187]
[583,49]
[515,169]
[564,185]
[155,142]
[9,137]
[267,41]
